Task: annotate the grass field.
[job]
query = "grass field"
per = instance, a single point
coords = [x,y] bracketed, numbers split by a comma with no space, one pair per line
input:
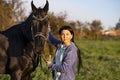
[101,61]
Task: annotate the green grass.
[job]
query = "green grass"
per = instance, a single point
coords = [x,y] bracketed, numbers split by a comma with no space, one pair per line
[101,61]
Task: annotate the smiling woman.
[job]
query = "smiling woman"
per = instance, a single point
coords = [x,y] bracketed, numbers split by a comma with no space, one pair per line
[67,55]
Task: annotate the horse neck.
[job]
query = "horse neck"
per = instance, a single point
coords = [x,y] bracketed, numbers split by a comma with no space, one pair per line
[34,55]
[15,30]
[29,19]
[27,28]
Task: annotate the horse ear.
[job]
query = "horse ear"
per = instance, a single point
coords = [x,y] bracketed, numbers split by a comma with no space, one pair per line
[46,7]
[34,9]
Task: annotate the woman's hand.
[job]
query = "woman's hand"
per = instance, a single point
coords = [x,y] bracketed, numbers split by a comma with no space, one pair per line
[49,28]
[48,63]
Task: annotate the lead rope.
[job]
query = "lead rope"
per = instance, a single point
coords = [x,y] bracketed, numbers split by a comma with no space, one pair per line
[34,48]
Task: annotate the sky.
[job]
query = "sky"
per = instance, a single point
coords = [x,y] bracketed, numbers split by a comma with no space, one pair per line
[107,11]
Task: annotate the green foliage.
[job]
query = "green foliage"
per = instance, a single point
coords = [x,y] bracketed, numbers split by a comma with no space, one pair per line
[41,73]
[4,77]
[100,60]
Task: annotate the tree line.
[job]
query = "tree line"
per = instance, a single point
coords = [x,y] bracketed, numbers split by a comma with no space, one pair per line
[12,12]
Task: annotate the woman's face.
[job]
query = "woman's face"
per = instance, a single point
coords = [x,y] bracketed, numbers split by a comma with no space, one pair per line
[66,37]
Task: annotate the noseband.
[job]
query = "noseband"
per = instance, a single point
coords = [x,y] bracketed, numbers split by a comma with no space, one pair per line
[37,34]
[40,19]
[41,35]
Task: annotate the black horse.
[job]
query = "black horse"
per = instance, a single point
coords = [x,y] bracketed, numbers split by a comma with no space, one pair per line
[26,42]
[3,50]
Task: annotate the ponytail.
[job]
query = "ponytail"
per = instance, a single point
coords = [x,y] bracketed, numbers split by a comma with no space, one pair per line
[79,65]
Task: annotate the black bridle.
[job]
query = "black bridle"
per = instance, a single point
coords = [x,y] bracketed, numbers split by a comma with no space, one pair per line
[38,34]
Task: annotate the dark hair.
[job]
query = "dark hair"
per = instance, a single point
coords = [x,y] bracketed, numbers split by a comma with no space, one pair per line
[78,50]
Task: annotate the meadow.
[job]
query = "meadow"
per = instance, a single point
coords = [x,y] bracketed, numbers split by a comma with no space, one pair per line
[101,61]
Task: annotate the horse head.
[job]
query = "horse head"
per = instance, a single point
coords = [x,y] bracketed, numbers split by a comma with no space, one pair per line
[39,26]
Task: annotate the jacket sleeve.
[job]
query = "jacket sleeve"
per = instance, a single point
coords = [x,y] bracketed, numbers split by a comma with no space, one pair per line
[68,61]
[53,40]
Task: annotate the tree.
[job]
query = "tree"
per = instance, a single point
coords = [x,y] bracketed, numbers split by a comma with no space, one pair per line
[11,13]
[96,28]
[96,25]
[117,25]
